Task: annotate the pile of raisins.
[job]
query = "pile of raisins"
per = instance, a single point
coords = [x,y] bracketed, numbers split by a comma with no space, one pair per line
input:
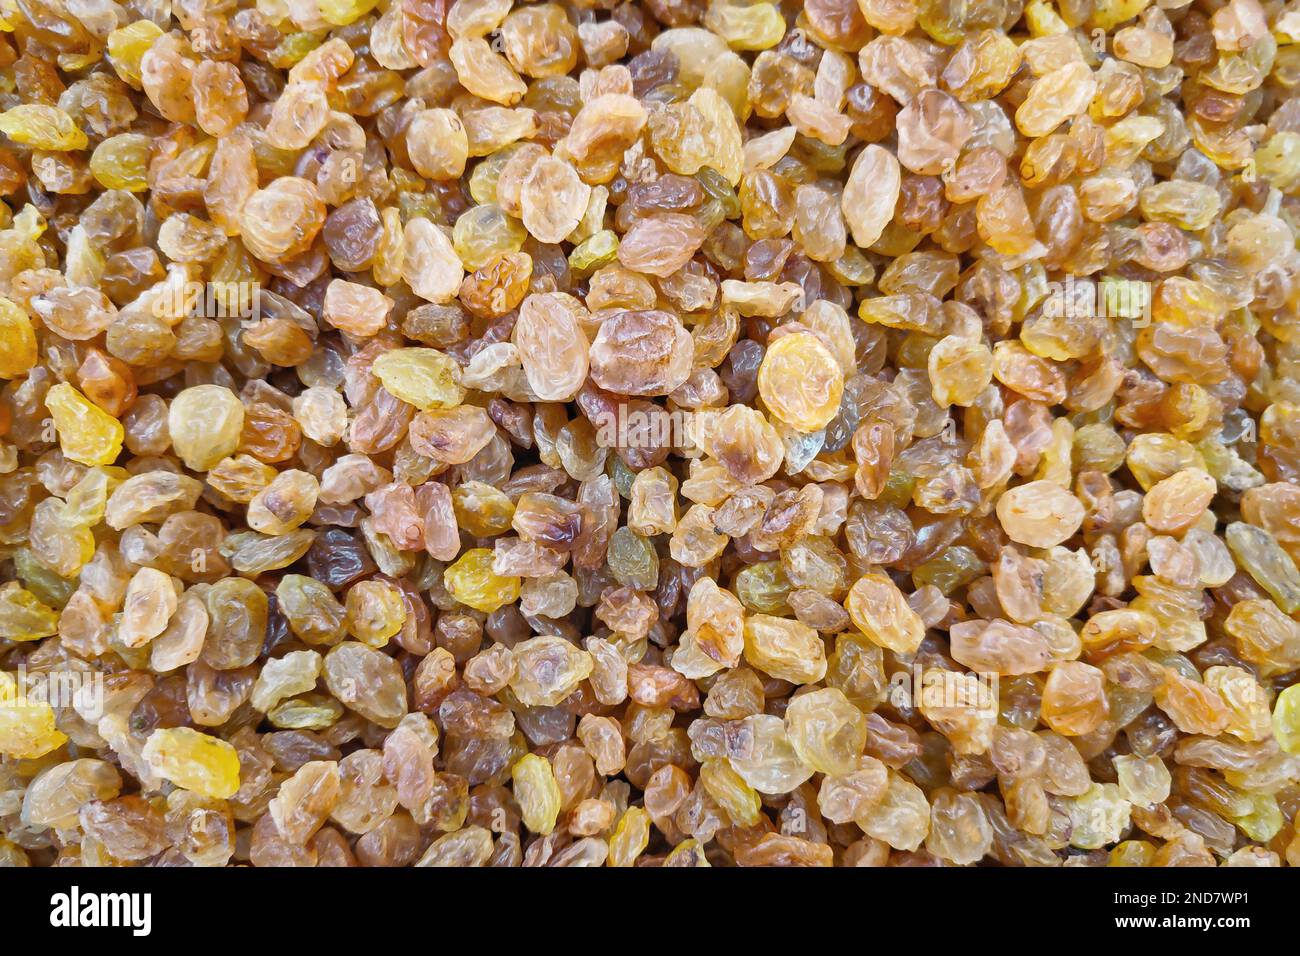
[652,433]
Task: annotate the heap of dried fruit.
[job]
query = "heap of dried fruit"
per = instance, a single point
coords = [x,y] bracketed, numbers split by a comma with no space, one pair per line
[673,432]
